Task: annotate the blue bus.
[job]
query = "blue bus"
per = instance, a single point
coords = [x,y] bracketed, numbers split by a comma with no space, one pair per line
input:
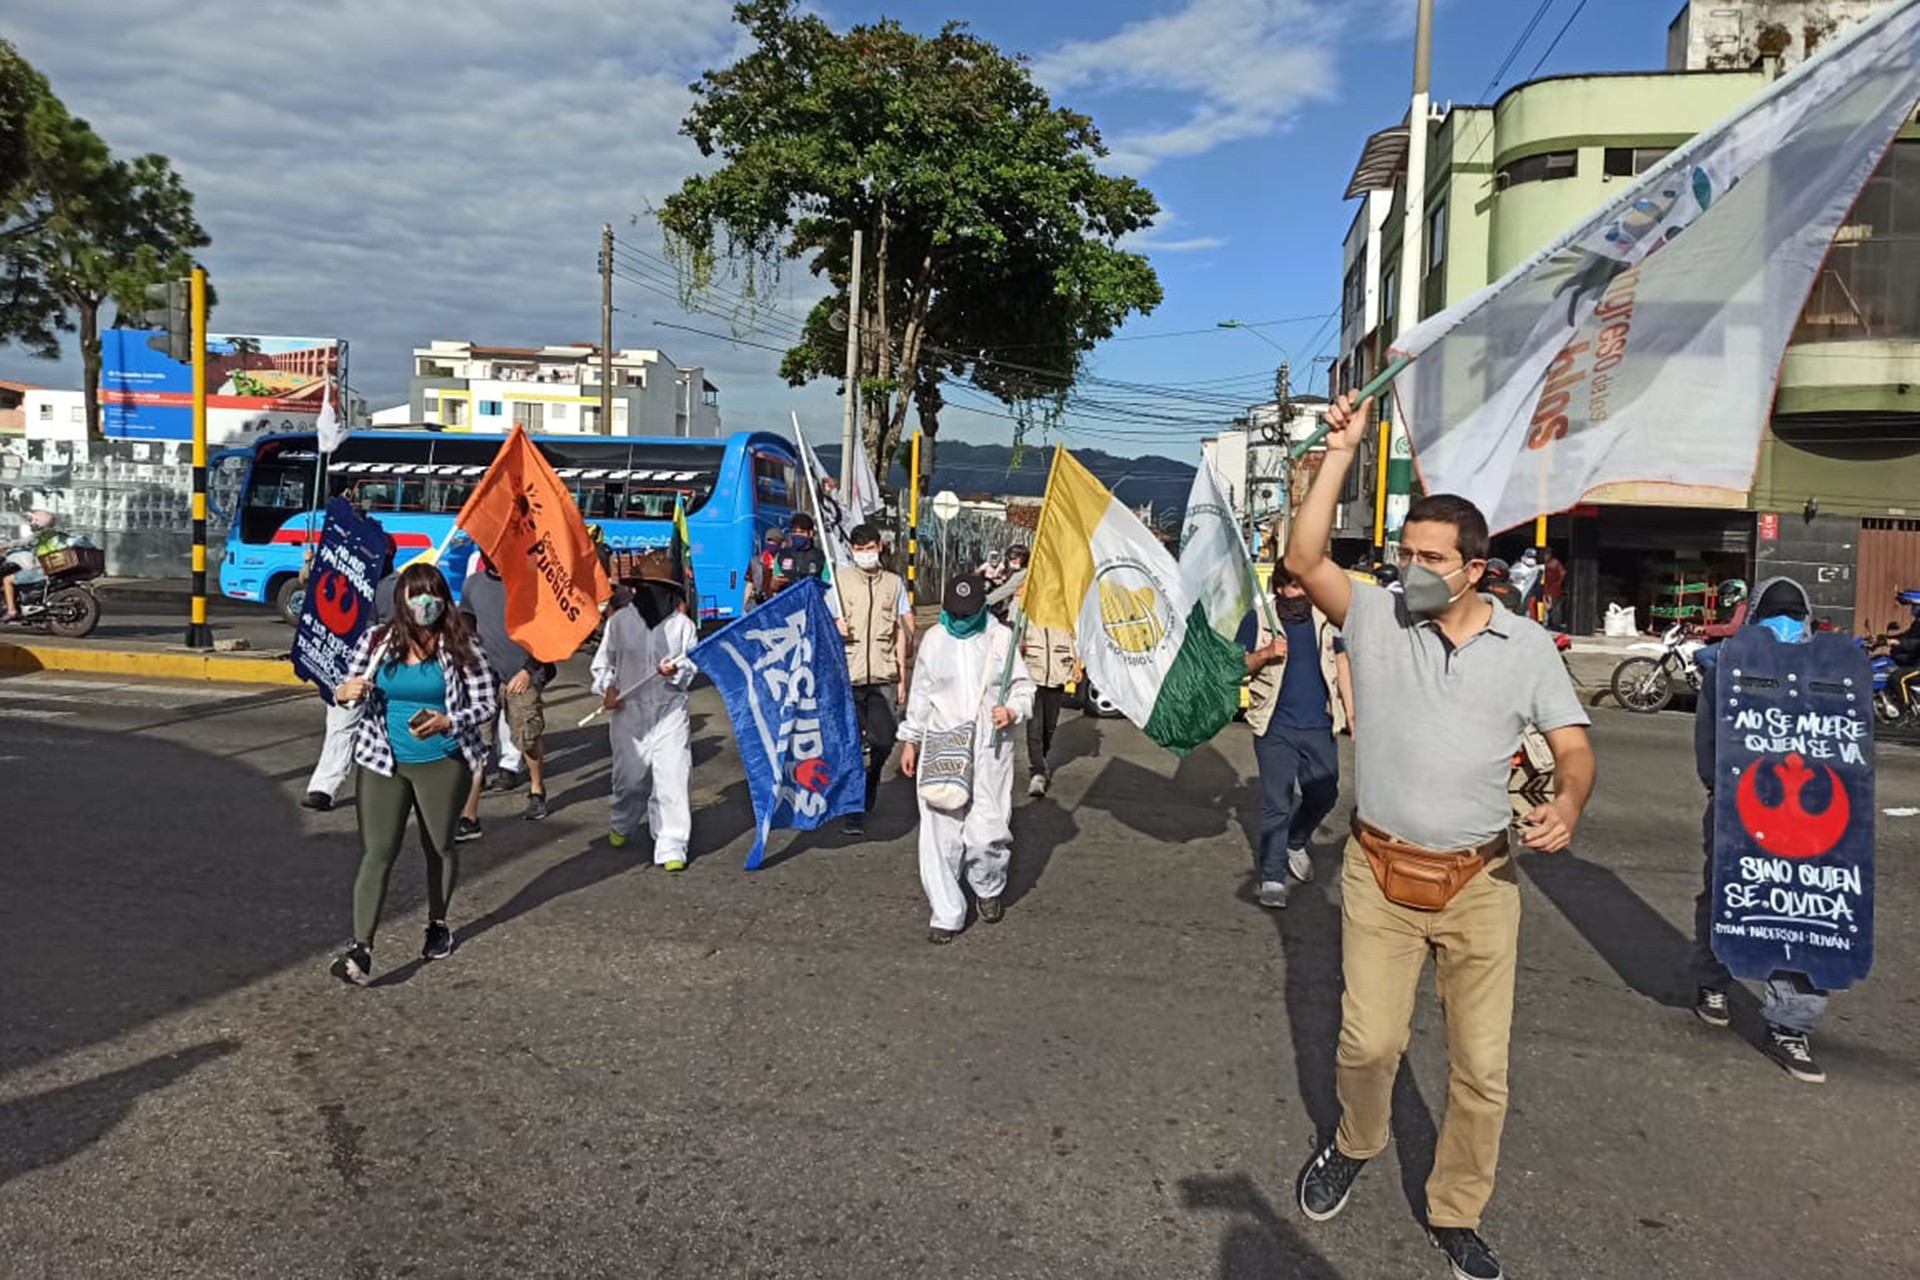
[415,482]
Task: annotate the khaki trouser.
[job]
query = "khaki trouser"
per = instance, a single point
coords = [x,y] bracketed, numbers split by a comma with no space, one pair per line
[1383,949]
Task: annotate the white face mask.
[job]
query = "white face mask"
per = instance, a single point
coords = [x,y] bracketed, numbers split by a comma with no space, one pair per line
[867,559]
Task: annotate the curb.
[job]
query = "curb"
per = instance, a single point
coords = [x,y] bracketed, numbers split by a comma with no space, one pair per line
[161,665]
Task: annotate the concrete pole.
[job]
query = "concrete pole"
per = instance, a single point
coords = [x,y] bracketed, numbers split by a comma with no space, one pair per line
[850,430]
[1412,261]
[606,329]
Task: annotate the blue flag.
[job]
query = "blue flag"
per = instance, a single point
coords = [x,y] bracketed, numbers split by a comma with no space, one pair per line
[339,600]
[782,671]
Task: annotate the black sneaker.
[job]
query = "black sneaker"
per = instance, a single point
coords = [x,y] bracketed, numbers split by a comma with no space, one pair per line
[536,807]
[439,941]
[504,780]
[992,910]
[1710,1006]
[940,937]
[1794,1054]
[318,801]
[466,829]
[855,825]
[1469,1254]
[1326,1181]
[354,965]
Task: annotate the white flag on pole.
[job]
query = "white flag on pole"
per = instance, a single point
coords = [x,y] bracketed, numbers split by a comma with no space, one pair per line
[327,425]
[1628,351]
[1214,565]
[835,518]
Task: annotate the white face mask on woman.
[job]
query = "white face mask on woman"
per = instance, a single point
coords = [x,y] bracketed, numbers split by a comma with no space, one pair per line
[866,558]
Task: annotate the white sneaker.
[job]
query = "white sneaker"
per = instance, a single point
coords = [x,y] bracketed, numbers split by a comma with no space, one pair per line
[1300,865]
[1273,894]
[1038,786]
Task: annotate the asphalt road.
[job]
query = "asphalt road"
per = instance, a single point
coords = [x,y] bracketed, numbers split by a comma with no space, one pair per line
[626,1074]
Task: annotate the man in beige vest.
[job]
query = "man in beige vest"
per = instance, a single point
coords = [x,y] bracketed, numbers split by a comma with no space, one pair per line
[1054,663]
[876,616]
[1300,695]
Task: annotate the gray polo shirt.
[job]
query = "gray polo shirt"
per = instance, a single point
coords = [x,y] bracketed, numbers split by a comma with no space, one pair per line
[1437,726]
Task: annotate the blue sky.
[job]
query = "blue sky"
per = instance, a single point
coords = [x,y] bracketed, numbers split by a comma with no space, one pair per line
[394,173]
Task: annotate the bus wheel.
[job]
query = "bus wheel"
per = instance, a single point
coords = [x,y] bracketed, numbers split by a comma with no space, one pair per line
[288,599]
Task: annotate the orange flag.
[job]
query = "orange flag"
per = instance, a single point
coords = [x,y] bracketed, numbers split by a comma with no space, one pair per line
[526,522]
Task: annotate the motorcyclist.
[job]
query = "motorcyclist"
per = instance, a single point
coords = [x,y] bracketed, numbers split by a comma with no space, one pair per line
[21,563]
[1905,652]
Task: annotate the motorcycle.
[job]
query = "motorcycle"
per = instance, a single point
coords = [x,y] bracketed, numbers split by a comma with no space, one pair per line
[1647,684]
[1890,709]
[63,602]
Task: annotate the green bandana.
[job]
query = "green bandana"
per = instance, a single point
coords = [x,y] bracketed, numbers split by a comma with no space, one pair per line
[962,628]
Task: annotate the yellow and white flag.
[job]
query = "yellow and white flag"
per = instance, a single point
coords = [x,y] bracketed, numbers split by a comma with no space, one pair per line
[1097,572]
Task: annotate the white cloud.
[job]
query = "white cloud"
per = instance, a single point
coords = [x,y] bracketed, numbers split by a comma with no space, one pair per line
[1243,66]
[392,172]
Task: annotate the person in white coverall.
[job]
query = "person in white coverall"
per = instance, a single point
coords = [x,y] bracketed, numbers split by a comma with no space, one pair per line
[957,679]
[650,731]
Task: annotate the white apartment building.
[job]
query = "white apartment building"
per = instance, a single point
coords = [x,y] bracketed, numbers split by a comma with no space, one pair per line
[556,390]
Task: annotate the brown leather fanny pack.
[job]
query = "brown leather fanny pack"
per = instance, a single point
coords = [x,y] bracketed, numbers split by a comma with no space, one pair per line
[1418,878]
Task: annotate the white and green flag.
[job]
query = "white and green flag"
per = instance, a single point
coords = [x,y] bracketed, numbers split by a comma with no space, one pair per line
[1213,559]
[1146,642]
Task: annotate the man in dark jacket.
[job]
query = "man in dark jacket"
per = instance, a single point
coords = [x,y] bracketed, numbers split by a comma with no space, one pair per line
[1791,1003]
[801,557]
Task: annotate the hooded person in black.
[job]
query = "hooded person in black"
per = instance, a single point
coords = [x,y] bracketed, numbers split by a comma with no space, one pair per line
[1791,1003]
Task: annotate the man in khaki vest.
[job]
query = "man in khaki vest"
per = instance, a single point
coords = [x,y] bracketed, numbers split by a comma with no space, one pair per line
[1053,662]
[1300,693]
[876,616]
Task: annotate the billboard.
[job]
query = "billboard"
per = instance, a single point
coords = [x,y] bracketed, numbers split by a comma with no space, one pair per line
[255,385]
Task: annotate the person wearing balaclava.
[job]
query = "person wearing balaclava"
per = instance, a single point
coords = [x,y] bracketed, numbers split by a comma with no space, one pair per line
[1295,707]
[642,674]
[1791,1004]
[958,685]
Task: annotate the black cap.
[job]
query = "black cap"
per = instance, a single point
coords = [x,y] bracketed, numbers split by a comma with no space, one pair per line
[966,595]
[1781,599]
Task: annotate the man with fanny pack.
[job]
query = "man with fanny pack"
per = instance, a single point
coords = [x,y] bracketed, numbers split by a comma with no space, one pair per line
[1445,682]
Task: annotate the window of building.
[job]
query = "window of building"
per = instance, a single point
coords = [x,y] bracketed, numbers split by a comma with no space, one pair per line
[1629,162]
[77,414]
[1870,284]
[489,408]
[1548,166]
[46,413]
[453,413]
[1390,299]
[1437,236]
[529,414]
[557,413]
[1353,297]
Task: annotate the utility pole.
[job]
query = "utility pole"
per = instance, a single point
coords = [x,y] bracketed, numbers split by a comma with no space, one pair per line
[1399,460]
[850,430]
[606,329]
[1283,417]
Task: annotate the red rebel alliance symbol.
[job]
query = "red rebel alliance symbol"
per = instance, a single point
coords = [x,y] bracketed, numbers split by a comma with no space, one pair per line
[811,774]
[1787,829]
[336,603]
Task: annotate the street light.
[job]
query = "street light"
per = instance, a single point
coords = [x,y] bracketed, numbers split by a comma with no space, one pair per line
[1241,324]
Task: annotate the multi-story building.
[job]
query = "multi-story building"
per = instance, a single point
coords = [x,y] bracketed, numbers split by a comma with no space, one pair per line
[465,387]
[1837,484]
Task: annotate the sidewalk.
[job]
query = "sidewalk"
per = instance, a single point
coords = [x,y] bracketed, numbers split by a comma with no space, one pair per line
[142,628]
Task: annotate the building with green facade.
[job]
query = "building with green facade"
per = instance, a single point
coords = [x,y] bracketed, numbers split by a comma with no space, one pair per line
[1836,492]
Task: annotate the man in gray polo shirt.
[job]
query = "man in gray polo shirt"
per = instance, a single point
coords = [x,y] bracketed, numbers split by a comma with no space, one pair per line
[1445,681]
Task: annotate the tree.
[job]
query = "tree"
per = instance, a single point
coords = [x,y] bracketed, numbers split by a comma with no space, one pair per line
[988,226]
[79,228]
[29,314]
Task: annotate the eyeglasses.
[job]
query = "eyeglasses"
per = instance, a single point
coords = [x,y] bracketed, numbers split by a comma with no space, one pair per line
[1435,560]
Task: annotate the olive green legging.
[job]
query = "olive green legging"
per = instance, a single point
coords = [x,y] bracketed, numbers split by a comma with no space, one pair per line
[434,793]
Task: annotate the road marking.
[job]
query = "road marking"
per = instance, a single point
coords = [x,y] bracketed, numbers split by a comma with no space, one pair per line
[27,713]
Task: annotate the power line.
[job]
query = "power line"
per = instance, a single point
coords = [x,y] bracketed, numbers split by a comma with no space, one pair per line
[1556,40]
[1518,45]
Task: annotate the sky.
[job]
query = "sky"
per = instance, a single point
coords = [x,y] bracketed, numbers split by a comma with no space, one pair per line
[391,172]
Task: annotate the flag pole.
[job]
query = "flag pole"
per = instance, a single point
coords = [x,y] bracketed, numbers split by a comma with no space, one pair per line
[813,492]
[631,689]
[1379,383]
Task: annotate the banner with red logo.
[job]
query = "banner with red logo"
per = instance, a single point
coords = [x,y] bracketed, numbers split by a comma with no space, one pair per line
[339,601]
[1793,813]
[782,671]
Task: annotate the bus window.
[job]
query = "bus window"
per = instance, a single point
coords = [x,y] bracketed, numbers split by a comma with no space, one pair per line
[277,490]
[373,495]
[448,496]
[653,504]
[593,499]
[412,495]
[772,481]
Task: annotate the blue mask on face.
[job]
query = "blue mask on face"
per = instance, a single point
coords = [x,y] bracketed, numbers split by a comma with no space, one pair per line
[1787,630]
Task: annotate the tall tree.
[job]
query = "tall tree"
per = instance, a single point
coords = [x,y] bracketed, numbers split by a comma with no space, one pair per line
[80,228]
[29,314]
[988,226]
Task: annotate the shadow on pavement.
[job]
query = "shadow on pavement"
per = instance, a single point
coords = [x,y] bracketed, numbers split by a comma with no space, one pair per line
[52,1127]
[1258,1243]
[1040,827]
[1201,801]
[1637,942]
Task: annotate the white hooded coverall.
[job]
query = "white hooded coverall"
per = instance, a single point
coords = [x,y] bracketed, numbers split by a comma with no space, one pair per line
[946,691]
[650,732]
